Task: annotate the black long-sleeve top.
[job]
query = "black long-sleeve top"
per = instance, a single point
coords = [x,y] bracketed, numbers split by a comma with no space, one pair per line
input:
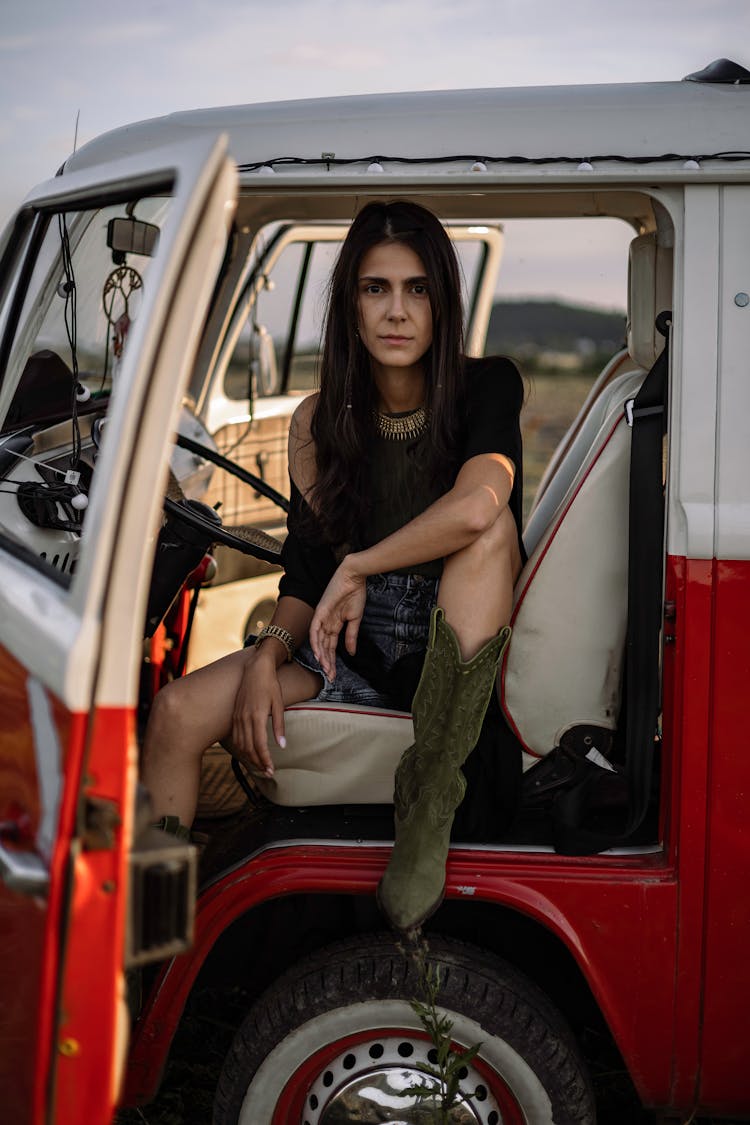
[402,492]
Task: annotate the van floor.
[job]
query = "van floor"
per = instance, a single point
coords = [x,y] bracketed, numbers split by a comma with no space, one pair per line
[229,842]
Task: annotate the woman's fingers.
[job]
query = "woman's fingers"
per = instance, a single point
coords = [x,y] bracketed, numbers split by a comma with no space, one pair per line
[323,654]
[350,637]
[323,640]
[260,742]
[277,721]
[258,699]
[341,607]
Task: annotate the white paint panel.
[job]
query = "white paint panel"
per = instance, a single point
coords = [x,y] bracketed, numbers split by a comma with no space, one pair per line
[143,447]
[693,390]
[637,119]
[48,754]
[733,450]
[53,632]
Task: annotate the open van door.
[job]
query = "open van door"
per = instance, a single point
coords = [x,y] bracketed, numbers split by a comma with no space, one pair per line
[105,279]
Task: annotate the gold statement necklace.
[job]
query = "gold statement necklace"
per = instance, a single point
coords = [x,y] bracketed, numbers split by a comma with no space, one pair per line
[401,427]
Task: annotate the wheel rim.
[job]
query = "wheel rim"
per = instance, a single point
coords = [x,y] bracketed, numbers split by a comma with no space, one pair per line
[371,1071]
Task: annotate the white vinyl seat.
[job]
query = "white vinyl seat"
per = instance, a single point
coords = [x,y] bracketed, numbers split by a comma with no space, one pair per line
[563,666]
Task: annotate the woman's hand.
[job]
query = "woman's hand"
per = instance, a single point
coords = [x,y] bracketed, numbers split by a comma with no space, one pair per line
[341,606]
[258,697]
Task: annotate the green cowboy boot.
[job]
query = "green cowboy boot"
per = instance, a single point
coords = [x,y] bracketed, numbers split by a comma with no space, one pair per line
[449,706]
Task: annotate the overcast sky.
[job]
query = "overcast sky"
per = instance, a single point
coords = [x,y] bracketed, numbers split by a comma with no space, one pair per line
[140,59]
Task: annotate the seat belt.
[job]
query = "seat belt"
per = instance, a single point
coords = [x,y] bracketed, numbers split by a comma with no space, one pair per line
[646,414]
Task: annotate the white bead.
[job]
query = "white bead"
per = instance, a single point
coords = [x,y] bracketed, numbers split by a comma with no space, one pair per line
[80,501]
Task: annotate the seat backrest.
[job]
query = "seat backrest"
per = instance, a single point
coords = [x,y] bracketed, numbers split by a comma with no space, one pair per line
[619,363]
[586,438]
[563,666]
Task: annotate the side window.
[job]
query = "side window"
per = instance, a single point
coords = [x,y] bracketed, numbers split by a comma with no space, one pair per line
[308,340]
[258,355]
[61,353]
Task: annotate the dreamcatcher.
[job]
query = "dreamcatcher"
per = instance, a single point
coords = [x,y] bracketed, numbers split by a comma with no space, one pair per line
[118,291]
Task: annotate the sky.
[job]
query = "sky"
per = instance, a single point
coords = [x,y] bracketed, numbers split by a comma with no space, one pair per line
[113,65]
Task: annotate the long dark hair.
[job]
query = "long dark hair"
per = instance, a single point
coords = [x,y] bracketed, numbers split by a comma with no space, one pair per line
[342,424]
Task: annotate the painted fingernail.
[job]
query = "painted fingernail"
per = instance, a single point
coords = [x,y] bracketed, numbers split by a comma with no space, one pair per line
[269,772]
[282,742]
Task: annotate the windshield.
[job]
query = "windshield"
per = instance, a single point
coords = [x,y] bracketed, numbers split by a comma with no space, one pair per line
[84,295]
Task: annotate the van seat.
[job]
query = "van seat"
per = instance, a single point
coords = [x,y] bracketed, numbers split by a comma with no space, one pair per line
[619,363]
[578,572]
[336,754]
[563,666]
[592,416]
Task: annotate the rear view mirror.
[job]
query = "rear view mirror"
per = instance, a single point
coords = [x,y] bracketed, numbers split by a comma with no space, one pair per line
[132,236]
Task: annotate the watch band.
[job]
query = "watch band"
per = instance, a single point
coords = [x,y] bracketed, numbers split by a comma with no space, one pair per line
[280,634]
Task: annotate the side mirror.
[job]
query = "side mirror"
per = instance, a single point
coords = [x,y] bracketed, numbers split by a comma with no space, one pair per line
[263,365]
[131,236]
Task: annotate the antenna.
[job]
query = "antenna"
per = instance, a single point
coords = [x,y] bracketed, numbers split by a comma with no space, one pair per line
[75,135]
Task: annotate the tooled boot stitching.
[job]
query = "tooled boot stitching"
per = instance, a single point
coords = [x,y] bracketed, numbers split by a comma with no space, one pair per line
[448,709]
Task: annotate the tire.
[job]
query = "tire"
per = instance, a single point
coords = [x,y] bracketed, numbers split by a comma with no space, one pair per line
[337,1025]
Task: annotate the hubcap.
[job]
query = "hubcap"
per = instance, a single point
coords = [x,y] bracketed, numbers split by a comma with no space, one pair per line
[368,1078]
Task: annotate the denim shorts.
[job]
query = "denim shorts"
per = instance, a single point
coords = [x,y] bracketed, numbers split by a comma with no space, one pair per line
[396,622]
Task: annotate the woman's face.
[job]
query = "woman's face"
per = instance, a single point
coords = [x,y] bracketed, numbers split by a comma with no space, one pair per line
[395,316]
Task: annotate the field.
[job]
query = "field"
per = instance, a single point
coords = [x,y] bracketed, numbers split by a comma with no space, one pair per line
[552,402]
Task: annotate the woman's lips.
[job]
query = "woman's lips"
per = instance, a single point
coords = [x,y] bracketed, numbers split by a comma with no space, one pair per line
[396,339]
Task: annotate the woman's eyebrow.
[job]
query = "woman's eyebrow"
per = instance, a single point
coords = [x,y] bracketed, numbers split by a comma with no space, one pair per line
[421,278]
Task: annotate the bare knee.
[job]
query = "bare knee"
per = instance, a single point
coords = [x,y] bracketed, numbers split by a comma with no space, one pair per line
[167,728]
[498,544]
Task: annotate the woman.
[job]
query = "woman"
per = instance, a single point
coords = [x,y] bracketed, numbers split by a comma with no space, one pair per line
[404,532]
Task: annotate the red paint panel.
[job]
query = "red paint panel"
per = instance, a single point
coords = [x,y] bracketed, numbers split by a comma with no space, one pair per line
[92,984]
[725,1080]
[29,927]
[616,916]
[687,671]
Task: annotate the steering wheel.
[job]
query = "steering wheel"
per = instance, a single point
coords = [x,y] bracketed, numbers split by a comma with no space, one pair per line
[248,540]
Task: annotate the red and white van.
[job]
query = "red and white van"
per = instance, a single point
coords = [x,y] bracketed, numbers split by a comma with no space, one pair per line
[617,899]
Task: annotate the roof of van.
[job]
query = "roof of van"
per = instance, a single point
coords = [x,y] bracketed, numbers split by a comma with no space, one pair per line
[508,129]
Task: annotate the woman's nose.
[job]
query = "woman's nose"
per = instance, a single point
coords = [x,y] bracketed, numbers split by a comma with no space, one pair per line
[396,310]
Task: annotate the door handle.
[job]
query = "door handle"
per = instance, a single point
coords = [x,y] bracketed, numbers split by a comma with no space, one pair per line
[25,872]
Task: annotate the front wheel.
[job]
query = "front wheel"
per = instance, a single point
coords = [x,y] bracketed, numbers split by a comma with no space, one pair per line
[336,1040]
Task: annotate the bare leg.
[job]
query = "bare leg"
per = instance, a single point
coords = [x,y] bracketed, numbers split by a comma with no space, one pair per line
[476,590]
[193,713]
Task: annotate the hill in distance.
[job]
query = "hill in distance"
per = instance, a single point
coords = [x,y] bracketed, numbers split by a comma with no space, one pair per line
[526,328]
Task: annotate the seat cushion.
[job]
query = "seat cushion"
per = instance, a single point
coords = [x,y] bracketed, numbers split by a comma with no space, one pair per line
[337,754]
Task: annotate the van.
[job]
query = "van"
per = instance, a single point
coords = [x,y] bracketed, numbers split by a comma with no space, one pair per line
[144,403]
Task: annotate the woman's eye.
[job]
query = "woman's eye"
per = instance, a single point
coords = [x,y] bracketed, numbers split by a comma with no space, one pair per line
[373,288]
[419,290]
